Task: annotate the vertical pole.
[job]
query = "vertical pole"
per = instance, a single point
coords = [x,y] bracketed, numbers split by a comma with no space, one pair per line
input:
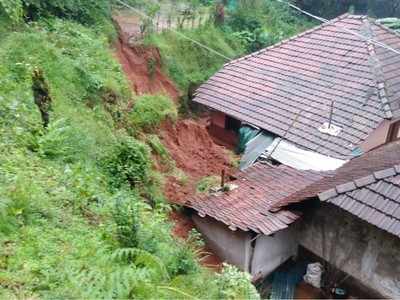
[222,179]
[331,115]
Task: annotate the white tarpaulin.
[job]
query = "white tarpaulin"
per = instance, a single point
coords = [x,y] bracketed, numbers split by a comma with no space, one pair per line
[292,156]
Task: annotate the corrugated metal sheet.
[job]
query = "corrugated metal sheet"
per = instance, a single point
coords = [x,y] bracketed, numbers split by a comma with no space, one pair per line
[361,167]
[269,88]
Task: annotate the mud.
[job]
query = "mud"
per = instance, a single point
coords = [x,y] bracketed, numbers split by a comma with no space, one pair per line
[188,141]
[142,65]
[195,153]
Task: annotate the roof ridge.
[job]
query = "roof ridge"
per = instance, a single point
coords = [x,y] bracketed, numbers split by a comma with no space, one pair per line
[377,73]
[313,29]
[359,183]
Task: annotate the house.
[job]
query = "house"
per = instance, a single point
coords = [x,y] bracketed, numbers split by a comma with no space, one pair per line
[356,228]
[326,90]
[322,167]
[237,223]
[348,219]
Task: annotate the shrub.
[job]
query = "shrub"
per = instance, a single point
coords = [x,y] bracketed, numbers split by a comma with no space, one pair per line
[150,111]
[186,62]
[235,284]
[258,24]
[127,218]
[129,163]
[87,12]
[61,140]
[158,148]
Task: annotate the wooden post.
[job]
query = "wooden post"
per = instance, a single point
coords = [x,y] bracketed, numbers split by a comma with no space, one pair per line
[223,179]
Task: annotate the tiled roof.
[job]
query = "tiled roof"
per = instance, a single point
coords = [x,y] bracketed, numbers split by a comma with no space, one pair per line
[247,206]
[306,73]
[378,159]
[374,198]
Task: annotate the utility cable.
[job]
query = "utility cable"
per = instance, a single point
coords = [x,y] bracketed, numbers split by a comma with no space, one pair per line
[177,32]
[370,40]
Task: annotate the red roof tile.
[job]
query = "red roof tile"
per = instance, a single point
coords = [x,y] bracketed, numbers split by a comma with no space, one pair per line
[258,188]
[308,72]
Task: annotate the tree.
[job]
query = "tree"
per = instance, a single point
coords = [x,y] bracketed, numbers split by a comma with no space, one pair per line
[333,8]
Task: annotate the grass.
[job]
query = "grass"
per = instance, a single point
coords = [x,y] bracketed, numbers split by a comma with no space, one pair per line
[150,111]
[66,229]
[207,183]
[186,62]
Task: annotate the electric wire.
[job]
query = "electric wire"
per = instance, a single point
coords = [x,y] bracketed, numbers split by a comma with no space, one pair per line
[370,40]
[176,32]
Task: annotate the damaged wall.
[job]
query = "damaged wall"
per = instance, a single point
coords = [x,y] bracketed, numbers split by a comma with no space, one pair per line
[241,249]
[360,249]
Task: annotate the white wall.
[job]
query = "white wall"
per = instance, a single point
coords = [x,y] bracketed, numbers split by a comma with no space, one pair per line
[231,246]
[272,251]
[234,247]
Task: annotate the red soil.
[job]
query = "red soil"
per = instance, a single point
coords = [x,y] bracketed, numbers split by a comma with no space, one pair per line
[195,153]
[188,141]
[142,65]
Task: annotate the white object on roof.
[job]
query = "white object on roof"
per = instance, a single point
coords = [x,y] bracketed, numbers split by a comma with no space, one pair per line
[330,129]
[292,156]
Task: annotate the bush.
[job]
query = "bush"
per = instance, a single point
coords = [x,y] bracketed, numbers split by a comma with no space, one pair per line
[150,111]
[258,24]
[186,62]
[234,284]
[61,140]
[129,163]
[88,12]
[127,218]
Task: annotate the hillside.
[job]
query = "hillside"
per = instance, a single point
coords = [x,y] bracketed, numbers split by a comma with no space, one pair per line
[96,143]
[82,209]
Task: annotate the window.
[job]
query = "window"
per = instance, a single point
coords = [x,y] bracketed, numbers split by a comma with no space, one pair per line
[394,132]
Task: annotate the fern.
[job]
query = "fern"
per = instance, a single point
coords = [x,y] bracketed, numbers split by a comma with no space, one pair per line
[142,258]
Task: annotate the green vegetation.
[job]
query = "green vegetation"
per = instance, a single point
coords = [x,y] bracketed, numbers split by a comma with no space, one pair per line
[75,219]
[259,23]
[86,12]
[150,111]
[252,25]
[333,8]
[207,183]
[186,62]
